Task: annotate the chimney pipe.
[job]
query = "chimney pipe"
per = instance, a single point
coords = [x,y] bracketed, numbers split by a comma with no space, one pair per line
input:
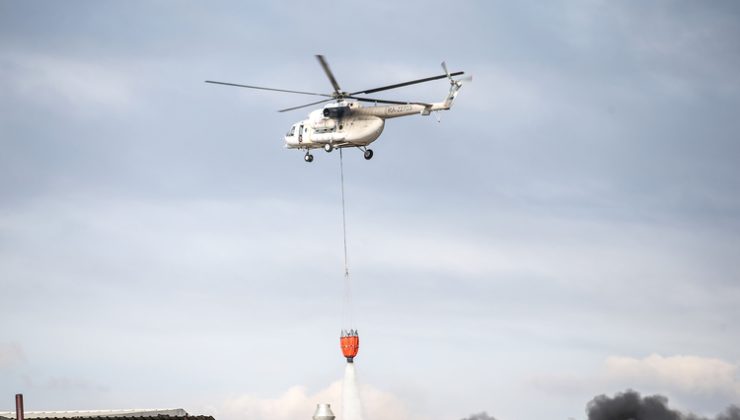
[323,412]
[19,406]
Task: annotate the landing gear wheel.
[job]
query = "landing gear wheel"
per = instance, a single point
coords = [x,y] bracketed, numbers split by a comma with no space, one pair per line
[308,157]
[328,148]
[368,154]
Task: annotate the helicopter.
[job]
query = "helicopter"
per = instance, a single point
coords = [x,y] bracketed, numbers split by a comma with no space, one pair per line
[343,122]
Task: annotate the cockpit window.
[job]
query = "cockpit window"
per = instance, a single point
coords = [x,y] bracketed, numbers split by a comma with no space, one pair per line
[291,132]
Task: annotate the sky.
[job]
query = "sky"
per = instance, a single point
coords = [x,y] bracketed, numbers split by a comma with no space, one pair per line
[569,229]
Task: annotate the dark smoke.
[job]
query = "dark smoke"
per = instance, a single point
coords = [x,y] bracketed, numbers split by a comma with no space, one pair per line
[731,413]
[629,405]
[484,416]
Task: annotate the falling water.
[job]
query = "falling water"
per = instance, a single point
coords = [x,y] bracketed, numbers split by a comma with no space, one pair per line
[351,405]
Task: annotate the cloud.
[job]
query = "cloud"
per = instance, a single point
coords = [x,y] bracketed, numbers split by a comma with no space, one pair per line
[687,374]
[66,84]
[11,354]
[565,203]
[694,381]
[297,402]
[73,384]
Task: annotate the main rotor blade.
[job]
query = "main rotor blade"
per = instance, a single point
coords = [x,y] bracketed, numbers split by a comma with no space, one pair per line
[329,74]
[273,89]
[303,106]
[385,101]
[413,82]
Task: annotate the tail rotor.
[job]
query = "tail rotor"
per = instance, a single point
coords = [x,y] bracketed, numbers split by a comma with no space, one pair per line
[457,82]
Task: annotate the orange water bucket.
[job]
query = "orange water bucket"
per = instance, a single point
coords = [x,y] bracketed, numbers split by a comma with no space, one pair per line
[350,343]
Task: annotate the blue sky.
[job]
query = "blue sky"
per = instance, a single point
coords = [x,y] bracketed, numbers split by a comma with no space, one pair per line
[569,229]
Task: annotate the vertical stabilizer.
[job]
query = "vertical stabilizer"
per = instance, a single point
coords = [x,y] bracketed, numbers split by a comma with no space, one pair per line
[455,86]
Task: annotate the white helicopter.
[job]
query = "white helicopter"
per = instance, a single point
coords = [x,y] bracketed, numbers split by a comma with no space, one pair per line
[344,123]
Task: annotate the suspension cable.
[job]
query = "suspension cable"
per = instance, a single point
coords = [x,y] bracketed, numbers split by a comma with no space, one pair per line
[347,283]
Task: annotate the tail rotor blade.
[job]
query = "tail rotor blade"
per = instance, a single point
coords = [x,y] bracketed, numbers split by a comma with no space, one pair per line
[444,67]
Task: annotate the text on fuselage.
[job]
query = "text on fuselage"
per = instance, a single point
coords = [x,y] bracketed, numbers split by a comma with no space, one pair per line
[398,109]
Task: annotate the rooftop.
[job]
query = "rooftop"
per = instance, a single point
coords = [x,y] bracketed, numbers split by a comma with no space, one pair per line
[132,414]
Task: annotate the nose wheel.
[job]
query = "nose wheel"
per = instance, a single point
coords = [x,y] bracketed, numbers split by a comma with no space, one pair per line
[328,148]
[368,154]
[308,157]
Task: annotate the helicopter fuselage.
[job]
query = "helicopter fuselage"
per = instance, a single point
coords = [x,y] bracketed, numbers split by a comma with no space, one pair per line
[337,125]
[349,124]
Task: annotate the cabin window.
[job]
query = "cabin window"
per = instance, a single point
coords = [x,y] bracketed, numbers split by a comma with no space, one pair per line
[291,132]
